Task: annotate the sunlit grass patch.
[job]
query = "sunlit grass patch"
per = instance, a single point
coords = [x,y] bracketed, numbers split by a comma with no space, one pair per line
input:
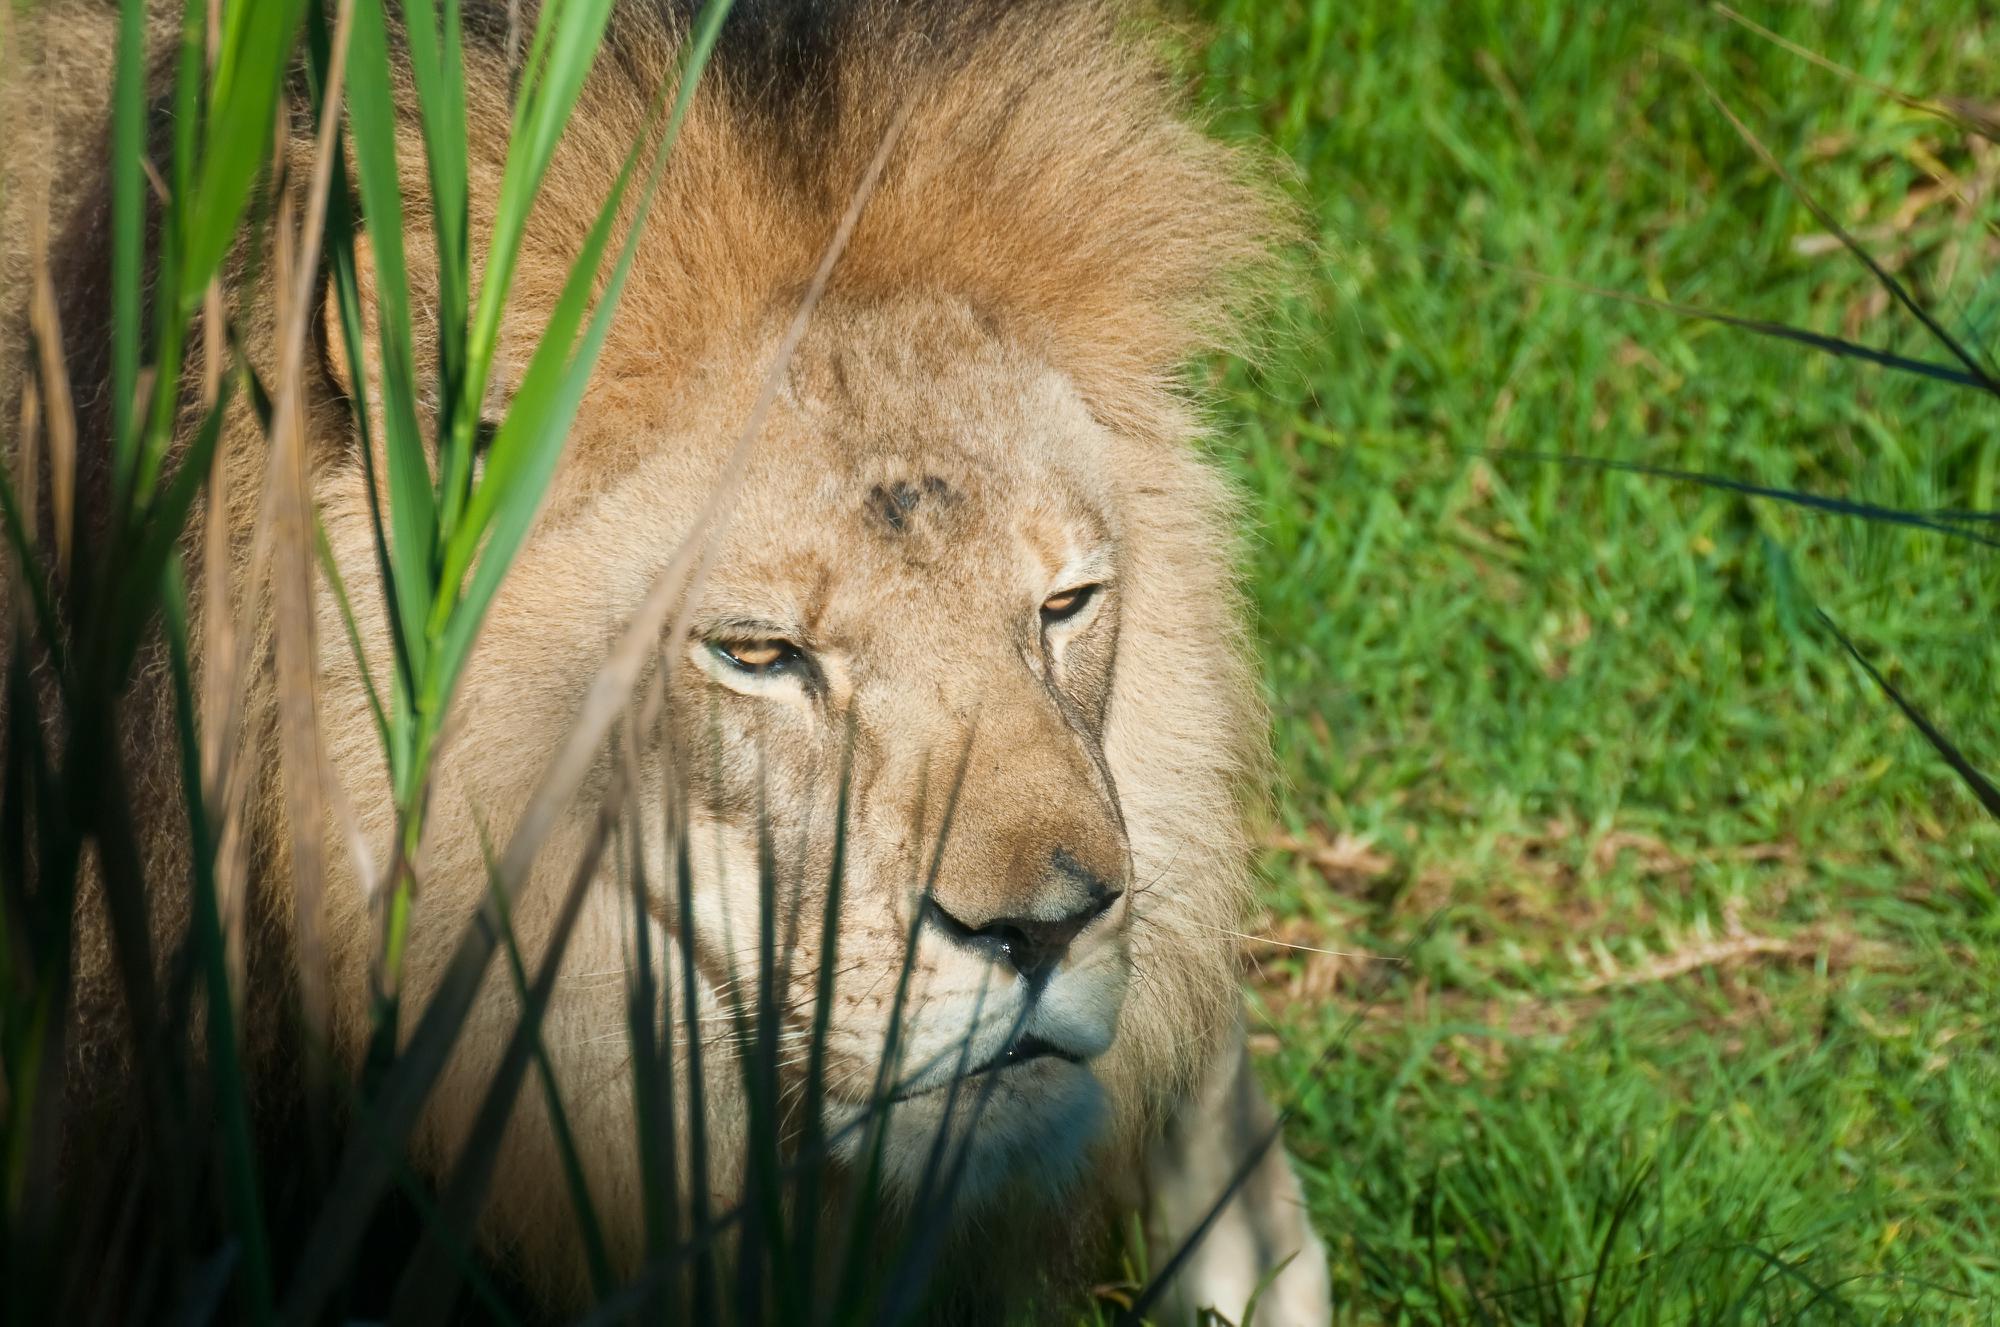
[1686,867]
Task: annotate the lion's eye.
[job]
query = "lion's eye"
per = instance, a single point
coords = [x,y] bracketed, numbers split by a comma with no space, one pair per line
[1067,604]
[756,657]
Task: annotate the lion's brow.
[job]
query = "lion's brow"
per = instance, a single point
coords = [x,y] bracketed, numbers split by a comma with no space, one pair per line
[893,504]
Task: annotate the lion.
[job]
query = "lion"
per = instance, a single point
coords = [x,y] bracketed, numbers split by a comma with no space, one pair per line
[968,619]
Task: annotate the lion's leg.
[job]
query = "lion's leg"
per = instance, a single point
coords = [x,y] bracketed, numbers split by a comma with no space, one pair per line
[1263,1225]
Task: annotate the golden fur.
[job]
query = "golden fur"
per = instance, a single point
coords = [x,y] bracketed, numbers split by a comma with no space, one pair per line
[984,414]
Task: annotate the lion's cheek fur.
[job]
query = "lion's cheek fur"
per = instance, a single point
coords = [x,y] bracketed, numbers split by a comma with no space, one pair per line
[1185,741]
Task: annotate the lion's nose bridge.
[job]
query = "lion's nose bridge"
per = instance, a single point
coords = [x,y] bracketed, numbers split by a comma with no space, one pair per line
[1036,852]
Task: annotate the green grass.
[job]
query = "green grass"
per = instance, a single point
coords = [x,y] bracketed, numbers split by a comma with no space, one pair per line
[1714,928]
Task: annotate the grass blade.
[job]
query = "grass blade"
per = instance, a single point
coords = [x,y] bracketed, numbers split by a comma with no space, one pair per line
[331,570]
[241,1191]
[257,40]
[157,536]
[596,1259]
[701,1229]
[805,1236]
[426,1292]
[58,407]
[32,575]
[524,453]
[128,233]
[649,1005]
[412,503]
[438,68]
[1982,787]
[566,40]
[1811,501]
[1882,275]
[1832,345]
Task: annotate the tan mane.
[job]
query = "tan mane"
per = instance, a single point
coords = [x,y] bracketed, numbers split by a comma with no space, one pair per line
[1047,175]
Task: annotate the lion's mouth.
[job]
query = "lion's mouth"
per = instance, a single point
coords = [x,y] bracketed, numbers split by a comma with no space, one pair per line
[1022,1050]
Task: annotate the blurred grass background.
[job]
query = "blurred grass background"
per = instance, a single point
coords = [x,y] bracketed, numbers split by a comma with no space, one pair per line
[1697,1022]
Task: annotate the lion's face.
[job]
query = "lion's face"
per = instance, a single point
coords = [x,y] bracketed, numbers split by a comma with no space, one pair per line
[914,606]
[921,585]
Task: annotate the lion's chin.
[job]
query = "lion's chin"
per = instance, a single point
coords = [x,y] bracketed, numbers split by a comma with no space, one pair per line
[1023,1130]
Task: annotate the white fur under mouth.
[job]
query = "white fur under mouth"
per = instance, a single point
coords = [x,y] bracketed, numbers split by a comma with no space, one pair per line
[1012,1123]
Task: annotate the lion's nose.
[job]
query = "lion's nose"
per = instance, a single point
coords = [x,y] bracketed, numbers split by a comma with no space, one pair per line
[1032,946]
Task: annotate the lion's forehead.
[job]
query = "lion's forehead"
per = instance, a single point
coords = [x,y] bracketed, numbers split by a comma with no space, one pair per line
[938,528]
[916,481]
[911,505]
[904,496]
